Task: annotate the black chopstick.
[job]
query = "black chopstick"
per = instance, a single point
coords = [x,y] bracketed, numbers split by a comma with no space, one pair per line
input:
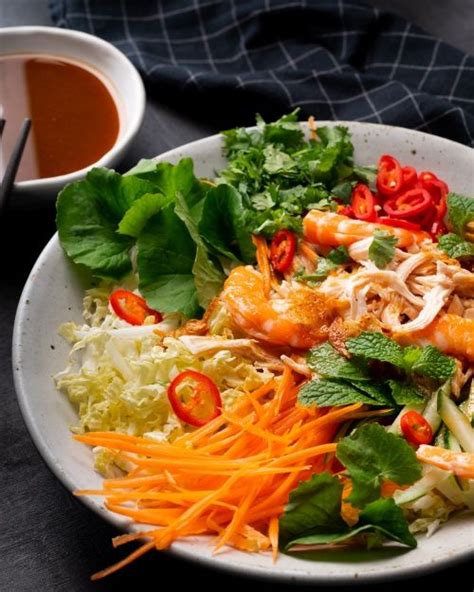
[13,163]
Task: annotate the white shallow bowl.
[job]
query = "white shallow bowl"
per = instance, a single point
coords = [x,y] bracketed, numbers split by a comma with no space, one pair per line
[109,64]
[38,353]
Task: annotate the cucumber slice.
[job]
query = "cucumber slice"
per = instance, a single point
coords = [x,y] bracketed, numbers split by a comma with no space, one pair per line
[456,421]
[430,412]
[431,479]
[467,406]
[451,490]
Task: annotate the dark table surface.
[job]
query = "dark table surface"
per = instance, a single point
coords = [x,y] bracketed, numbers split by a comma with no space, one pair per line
[49,541]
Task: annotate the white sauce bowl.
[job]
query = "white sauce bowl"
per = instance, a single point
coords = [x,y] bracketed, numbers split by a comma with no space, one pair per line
[109,64]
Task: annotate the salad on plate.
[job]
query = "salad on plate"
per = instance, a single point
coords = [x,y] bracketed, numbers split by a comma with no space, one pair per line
[280,356]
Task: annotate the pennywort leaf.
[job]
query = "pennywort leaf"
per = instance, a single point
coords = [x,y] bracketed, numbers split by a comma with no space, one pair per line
[372,455]
[313,507]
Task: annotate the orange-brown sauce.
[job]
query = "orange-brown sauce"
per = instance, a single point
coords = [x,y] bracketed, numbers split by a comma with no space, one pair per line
[74,118]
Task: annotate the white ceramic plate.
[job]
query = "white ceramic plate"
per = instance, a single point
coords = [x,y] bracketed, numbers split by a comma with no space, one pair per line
[53,294]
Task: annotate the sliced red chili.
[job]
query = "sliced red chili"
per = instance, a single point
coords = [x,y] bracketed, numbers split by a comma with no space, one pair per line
[345,211]
[399,223]
[282,250]
[437,188]
[437,228]
[409,177]
[132,308]
[195,398]
[389,176]
[408,204]
[415,428]
[363,203]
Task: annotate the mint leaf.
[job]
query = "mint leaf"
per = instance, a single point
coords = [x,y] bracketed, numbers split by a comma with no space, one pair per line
[327,362]
[339,255]
[455,246]
[382,517]
[432,363]
[313,507]
[427,361]
[329,392]
[377,391]
[376,346]
[460,211]
[382,248]
[372,455]
[404,394]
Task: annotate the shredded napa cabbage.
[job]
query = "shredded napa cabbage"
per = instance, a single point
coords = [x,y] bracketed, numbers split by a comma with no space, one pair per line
[118,374]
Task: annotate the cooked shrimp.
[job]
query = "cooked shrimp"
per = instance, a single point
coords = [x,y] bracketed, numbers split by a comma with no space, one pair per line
[459,463]
[450,333]
[300,319]
[327,228]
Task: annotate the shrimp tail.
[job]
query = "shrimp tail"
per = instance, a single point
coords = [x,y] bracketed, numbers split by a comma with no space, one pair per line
[327,228]
[450,333]
[459,463]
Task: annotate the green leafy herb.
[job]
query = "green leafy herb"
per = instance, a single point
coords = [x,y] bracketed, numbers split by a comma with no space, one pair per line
[88,213]
[327,362]
[208,276]
[404,393]
[460,212]
[343,191]
[222,224]
[323,269]
[376,346]
[382,248]
[433,364]
[382,518]
[331,392]
[313,507]
[166,256]
[339,255]
[455,246]
[427,361]
[372,455]
[280,175]
[140,212]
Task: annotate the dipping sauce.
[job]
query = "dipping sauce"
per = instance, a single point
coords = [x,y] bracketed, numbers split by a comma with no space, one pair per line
[74,118]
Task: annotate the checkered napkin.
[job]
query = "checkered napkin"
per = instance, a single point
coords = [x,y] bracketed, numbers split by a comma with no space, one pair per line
[335,59]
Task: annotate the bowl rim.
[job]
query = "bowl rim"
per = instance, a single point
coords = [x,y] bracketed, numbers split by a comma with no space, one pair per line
[130,126]
[182,550]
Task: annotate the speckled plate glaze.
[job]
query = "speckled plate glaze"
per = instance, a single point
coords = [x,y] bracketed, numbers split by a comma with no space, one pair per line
[53,295]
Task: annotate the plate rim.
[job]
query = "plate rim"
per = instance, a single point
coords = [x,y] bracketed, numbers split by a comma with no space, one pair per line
[180,549]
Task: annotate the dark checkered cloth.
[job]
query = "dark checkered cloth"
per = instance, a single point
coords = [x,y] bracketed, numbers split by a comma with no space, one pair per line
[336,59]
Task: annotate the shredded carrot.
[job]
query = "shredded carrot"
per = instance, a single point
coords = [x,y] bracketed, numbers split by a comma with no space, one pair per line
[273,536]
[230,478]
[263,262]
[308,252]
[313,134]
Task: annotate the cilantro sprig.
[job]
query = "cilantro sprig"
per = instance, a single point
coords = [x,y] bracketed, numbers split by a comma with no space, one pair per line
[382,248]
